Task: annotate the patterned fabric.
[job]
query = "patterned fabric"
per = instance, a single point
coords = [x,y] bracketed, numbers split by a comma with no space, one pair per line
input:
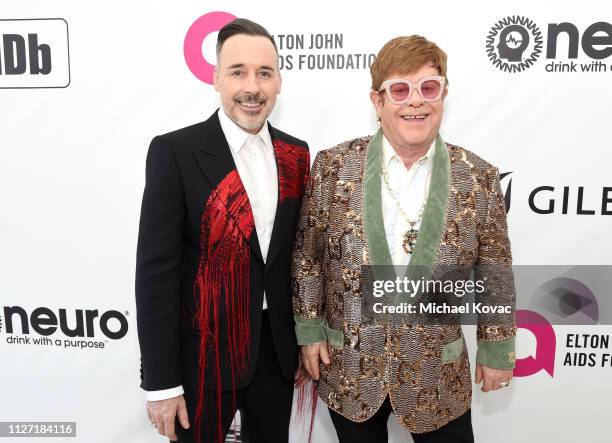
[424,368]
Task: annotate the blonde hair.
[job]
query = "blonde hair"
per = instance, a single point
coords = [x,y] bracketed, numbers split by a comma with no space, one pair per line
[404,55]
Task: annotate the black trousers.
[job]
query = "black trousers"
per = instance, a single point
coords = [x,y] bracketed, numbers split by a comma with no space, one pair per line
[265,404]
[375,429]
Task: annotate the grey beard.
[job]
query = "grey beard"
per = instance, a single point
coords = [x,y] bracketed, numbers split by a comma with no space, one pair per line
[248,124]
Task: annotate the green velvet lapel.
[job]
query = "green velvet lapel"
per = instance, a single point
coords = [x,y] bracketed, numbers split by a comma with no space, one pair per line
[434,214]
[430,231]
[432,224]
[373,225]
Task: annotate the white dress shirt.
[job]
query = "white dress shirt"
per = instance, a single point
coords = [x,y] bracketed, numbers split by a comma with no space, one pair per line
[411,187]
[256,165]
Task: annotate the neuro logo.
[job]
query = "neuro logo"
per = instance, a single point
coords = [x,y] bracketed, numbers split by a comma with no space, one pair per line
[508,191]
[514,44]
[72,323]
[192,47]
[546,343]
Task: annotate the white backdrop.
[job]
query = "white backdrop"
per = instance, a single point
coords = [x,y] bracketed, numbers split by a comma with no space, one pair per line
[72,175]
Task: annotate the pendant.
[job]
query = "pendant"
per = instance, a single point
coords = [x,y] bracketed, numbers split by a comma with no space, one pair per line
[410,238]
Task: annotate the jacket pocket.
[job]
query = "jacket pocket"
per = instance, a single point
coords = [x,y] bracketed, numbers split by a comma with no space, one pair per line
[452,351]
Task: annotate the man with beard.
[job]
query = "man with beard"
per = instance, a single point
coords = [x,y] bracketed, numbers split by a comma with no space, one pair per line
[218,216]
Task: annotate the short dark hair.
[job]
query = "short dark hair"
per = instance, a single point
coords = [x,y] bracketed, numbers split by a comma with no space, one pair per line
[242,26]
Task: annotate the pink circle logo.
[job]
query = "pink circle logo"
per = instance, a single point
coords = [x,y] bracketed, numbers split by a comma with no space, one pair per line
[546,343]
[192,47]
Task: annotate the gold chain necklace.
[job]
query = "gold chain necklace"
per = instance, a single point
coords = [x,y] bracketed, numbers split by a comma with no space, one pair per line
[411,235]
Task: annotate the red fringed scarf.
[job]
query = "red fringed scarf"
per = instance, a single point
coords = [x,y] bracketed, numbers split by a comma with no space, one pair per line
[307,397]
[224,268]
[293,166]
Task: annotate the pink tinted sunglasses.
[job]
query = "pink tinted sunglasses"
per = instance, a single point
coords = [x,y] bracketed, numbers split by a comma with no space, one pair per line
[399,91]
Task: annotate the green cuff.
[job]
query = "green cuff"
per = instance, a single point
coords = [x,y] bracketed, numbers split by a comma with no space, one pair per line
[496,354]
[335,338]
[309,331]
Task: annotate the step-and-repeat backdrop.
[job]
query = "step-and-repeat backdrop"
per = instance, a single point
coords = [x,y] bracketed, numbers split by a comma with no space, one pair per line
[84,86]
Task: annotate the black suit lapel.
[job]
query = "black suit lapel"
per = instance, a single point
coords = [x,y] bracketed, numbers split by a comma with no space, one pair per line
[279,217]
[216,162]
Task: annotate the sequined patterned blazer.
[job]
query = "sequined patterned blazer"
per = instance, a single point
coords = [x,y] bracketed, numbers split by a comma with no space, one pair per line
[424,368]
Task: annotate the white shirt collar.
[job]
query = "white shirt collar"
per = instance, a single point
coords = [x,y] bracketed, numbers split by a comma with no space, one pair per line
[236,136]
[389,154]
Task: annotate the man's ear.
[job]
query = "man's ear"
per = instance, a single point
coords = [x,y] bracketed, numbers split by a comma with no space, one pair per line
[216,79]
[280,82]
[376,100]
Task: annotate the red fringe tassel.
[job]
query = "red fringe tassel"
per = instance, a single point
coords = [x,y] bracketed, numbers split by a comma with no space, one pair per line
[224,269]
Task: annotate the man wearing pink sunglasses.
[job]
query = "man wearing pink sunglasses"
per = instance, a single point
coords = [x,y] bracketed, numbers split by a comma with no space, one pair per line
[401,199]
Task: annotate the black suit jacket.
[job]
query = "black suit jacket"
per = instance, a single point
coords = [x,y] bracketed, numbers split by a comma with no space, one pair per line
[186,171]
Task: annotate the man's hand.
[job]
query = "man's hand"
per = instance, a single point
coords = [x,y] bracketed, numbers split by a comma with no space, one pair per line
[301,377]
[312,354]
[163,413]
[491,377]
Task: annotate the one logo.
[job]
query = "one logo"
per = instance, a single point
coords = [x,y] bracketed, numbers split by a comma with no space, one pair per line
[514,44]
[546,343]
[34,53]
[192,47]
[508,191]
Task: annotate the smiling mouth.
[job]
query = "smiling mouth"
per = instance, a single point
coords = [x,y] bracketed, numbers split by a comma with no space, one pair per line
[250,106]
[415,118]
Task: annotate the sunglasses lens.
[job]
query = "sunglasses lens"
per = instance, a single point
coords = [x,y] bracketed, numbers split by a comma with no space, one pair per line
[399,91]
[431,89]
